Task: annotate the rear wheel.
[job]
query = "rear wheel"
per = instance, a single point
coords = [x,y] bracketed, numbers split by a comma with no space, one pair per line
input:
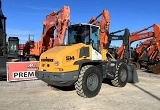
[121,76]
[89,81]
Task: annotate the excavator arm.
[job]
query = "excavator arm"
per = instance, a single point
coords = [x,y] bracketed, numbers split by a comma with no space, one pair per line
[142,47]
[62,24]
[155,47]
[104,24]
[58,20]
[53,34]
[157,35]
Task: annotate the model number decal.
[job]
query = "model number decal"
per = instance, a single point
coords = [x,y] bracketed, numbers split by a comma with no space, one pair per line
[68,58]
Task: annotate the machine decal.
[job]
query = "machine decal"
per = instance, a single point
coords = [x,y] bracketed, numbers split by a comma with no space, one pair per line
[24,74]
[68,58]
[32,65]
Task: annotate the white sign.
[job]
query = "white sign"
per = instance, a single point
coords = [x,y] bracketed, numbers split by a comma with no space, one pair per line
[24,74]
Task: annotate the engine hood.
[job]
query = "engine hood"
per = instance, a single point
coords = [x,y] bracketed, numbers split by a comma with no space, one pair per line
[61,49]
[61,57]
[60,52]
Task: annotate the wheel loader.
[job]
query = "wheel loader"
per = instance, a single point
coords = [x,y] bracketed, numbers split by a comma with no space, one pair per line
[83,63]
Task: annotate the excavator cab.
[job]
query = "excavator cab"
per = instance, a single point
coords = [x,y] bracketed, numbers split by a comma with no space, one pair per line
[13,44]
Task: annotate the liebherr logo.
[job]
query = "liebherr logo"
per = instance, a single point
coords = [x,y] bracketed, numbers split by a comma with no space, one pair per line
[32,65]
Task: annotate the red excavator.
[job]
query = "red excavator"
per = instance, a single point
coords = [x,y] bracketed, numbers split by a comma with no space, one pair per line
[139,36]
[54,32]
[148,56]
[142,47]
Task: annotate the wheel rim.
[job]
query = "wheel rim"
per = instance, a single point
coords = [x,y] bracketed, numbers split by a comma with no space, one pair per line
[92,81]
[123,75]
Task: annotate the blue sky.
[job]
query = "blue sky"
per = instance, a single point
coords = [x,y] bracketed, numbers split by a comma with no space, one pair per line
[25,17]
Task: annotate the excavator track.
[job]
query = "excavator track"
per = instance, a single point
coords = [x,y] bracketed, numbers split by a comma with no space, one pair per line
[155,68]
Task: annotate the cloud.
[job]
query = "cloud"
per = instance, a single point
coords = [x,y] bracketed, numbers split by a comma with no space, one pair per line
[21,34]
[38,10]
[24,34]
[41,8]
[32,14]
[17,31]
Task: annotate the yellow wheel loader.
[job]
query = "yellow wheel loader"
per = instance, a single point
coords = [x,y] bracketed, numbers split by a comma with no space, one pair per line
[84,64]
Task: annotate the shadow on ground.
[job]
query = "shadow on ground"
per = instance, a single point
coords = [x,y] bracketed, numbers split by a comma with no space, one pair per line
[68,88]
[147,92]
[71,88]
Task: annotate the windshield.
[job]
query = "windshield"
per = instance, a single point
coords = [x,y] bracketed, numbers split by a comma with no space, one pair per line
[78,34]
[95,38]
[13,46]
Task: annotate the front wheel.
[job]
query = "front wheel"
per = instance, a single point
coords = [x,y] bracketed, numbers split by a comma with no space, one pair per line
[89,81]
[121,75]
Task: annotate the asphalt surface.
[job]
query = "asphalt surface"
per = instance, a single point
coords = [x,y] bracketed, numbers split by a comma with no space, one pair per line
[36,95]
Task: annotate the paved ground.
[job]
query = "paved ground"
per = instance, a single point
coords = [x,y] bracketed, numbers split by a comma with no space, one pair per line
[36,95]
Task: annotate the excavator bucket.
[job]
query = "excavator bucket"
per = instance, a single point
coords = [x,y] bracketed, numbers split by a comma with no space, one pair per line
[132,74]
[155,68]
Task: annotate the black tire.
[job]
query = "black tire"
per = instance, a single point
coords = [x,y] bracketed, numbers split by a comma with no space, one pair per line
[121,76]
[89,81]
[1,77]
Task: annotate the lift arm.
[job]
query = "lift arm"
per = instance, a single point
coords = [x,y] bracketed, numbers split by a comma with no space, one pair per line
[125,39]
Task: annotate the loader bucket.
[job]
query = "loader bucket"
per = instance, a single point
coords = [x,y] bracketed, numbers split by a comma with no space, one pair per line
[132,74]
[155,68]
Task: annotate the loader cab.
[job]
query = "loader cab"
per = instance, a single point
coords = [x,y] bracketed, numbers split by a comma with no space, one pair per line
[84,33]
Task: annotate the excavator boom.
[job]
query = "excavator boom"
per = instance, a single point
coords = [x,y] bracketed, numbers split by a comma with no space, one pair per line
[142,47]
[137,37]
[58,20]
[104,24]
[62,24]
[53,34]
[157,35]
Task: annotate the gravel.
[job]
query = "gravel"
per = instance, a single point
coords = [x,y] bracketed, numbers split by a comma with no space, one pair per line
[35,94]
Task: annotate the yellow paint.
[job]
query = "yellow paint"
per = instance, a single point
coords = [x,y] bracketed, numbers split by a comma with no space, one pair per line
[59,55]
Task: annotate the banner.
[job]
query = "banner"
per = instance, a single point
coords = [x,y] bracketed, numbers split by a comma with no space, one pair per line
[18,71]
